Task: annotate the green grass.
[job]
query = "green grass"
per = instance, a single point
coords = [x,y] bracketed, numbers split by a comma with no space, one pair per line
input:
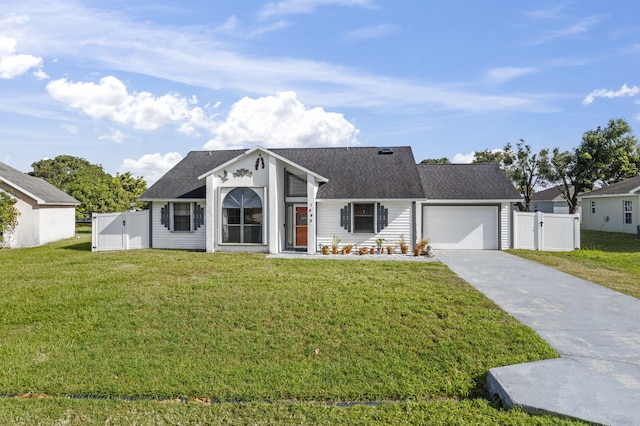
[248,340]
[606,258]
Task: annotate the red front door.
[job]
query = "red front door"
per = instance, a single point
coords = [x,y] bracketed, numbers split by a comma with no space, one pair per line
[301,226]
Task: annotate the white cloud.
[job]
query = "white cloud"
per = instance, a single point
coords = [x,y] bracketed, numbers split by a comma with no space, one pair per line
[116,135]
[504,74]
[297,7]
[12,65]
[463,158]
[70,128]
[468,158]
[109,99]
[604,93]
[150,166]
[188,55]
[578,28]
[40,75]
[283,121]
[552,12]
[368,33]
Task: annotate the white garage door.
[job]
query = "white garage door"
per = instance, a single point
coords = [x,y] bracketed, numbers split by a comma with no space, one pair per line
[461,227]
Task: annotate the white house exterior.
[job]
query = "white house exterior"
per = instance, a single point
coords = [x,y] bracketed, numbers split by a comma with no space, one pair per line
[298,199]
[614,208]
[46,214]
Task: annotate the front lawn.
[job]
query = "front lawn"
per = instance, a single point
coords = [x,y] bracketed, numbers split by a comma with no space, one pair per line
[607,258]
[240,339]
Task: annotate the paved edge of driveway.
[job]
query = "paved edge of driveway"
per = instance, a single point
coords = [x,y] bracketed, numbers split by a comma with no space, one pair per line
[596,331]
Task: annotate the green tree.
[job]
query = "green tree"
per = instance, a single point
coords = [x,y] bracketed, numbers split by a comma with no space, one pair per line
[525,168]
[567,172]
[97,191]
[8,214]
[605,156]
[442,160]
[609,154]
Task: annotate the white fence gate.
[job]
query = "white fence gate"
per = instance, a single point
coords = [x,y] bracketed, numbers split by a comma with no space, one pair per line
[546,231]
[120,231]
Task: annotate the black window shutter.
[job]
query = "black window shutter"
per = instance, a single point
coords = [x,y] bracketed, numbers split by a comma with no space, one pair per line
[164,216]
[383,217]
[198,217]
[345,217]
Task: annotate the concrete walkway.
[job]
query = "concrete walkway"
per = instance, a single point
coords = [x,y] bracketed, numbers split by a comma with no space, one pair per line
[595,330]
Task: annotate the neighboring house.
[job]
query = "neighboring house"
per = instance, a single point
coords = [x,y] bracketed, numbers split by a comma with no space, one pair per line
[47,214]
[468,206]
[297,199]
[614,208]
[551,200]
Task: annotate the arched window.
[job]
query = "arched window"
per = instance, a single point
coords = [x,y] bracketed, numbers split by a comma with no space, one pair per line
[242,217]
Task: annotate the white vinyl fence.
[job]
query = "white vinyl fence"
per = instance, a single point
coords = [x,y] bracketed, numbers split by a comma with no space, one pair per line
[546,231]
[120,231]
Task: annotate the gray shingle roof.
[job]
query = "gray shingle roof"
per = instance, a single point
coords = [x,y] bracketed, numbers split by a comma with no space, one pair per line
[549,194]
[353,173]
[466,182]
[621,188]
[44,192]
[361,172]
[182,180]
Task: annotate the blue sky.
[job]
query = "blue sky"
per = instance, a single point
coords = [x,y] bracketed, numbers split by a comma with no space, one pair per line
[134,86]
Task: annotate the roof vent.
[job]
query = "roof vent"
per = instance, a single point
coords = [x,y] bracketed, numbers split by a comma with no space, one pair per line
[385,151]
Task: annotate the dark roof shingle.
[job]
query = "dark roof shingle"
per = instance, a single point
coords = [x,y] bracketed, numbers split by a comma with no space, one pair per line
[352,173]
[620,188]
[40,188]
[482,181]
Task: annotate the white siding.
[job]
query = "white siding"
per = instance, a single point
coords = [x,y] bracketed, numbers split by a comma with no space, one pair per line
[328,224]
[505,226]
[609,215]
[57,223]
[166,239]
[39,224]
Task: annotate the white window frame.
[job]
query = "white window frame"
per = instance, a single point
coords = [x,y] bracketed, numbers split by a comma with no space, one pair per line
[373,216]
[261,191]
[172,217]
[628,212]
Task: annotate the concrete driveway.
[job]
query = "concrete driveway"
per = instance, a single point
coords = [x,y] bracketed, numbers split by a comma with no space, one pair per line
[595,330]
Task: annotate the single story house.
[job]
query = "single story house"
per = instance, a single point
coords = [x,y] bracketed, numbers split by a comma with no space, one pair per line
[613,208]
[46,213]
[298,199]
[551,200]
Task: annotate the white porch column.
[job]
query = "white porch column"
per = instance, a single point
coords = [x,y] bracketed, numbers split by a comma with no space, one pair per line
[273,230]
[210,212]
[312,191]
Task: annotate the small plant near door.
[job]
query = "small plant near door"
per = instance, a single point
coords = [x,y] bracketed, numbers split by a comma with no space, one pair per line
[404,247]
[389,249]
[334,244]
[421,246]
[379,242]
[324,249]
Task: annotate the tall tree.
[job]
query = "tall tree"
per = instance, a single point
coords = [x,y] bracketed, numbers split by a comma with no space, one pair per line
[97,191]
[609,154]
[525,168]
[566,171]
[8,214]
[605,156]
